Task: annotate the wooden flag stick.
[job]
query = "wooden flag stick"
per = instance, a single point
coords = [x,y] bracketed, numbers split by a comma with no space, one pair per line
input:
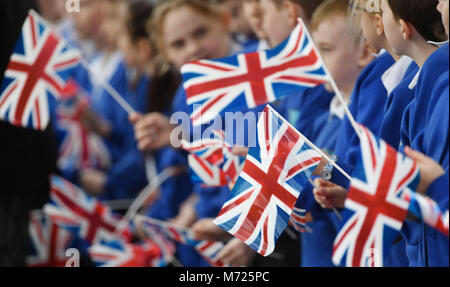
[116,96]
[333,83]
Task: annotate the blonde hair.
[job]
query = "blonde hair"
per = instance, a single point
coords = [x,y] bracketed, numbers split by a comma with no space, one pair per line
[332,8]
[163,8]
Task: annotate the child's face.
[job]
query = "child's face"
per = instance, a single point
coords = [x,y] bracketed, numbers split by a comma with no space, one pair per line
[443,9]
[368,25]
[339,52]
[88,20]
[254,17]
[275,23]
[238,23]
[129,51]
[112,24]
[392,29]
[188,36]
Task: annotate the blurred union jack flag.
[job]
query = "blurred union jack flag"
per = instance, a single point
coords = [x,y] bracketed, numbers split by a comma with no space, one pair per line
[375,208]
[249,80]
[428,210]
[212,162]
[85,216]
[116,253]
[79,147]
[298,219]
[207,249]
[274,173]
[38,68]
[48,242]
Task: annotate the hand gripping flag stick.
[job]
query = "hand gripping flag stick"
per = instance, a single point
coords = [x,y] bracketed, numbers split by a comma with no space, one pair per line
[322,154]
[154,184]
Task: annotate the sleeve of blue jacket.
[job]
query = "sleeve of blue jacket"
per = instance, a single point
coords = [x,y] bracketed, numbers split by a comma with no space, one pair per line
[127,176]
[367,107]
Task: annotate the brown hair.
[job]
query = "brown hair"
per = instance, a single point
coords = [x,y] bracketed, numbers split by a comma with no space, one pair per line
[422,15]
[307,5]
[155,25]
[139,11]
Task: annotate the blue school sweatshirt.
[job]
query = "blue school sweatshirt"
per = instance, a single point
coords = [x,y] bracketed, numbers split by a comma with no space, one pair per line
[307,110]
[367,107]
[396,105]
[126,176]
[425,246]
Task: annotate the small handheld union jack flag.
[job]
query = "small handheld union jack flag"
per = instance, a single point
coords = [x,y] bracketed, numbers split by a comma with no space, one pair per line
[274,173]
[212,161]
[85,216]
[298,219]
[375,208]
[207,249]
[116,253]
[37,71]
[48,242]
[428,210]
[249,80]
[79,147]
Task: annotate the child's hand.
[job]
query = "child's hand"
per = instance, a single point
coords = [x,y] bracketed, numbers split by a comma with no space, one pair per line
[205,229]
[236,253]
[329,195]
[152,131]
[429,169]
[240,151]
[95,124]
[93,181]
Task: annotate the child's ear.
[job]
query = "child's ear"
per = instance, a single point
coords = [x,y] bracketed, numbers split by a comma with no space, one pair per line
[366,52]
[293,12]
[407,29]
[379,25]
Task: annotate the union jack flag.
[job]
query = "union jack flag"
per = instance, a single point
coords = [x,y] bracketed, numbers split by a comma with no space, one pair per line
[249,80]
[428,210]
[212,161]
[207,249]
[85,216]
[298,219]
[79,147]
[274,173]
[375,208]
[38,68]
[116,253]
[48,242]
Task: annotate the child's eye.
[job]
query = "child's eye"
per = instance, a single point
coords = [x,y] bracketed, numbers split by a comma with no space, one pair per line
[178,44]
[200,32]
[325,48]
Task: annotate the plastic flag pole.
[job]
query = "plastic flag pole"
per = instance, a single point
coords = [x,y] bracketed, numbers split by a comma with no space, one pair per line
[142,197]
[117,97]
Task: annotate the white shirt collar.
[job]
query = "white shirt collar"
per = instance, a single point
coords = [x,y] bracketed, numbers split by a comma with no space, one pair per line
[336,108]
[439,44]
[415,80]
[395,74]
[263,45]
